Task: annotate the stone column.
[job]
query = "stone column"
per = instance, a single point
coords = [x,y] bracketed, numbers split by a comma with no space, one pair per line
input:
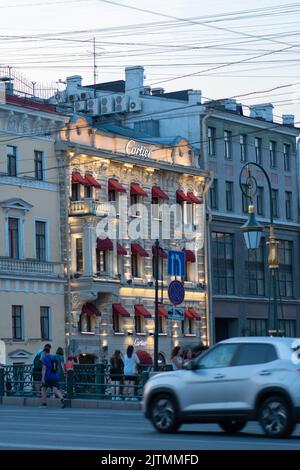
[89,247]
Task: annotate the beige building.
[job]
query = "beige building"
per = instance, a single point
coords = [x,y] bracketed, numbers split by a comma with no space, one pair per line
[110,301]
[31,269]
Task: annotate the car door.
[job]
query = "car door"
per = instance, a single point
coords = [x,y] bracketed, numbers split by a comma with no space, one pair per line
[204,386]
[253,365]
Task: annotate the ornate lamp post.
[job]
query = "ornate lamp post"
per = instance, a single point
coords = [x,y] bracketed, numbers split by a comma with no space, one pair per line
[252,233]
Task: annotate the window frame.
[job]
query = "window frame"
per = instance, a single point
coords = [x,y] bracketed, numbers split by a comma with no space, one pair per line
[17,322]
[12,158]
[45,319]
[39,171]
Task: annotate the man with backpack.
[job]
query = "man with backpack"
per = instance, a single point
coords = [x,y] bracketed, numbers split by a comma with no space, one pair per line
[50,377]
[37,369]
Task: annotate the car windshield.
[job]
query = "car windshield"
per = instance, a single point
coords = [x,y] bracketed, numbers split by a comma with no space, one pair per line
[220,356]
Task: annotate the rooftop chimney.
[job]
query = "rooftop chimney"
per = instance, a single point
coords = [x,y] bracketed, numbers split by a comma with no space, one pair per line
[147,90]
[9,86]
[73,83]
[262,111]
[288,119]
[157,91]
[134,80]
[194,96]
[230,104]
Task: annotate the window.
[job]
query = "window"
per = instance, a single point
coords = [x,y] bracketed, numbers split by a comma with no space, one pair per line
[229,196]
[13,238]
[213,195]
[223,267]
[285,256]
[161,324]
[255,273]
[11,160]
[219,356]
[257,327]
[260,200]
[38,165]
[258,150]
[40,240]
[88,191]
[211,141]
[187,326]
[134,265]
[17,322]
[79,255]
[275,202]
[288,205]
[45,322]
[245,199]
[160,267]
[75,192]
[101,261]
[112,195]
[273,156]
[227,145]
[243,148]
[249,354]
[134,199]
[116,323]
[86,323]
[138,323]
[287,157]
[288,328]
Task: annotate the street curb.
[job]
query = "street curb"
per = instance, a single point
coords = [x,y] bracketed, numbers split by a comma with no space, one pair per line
[74,403]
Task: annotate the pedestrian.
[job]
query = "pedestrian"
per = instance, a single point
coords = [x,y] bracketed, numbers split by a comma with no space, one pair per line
[116,374]
[37,368]
[50,378]
[69,364]
[176,358]
[186,356]
[60,361]
[131,362]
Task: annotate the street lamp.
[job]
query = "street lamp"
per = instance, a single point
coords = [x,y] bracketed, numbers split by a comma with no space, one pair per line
[252,233]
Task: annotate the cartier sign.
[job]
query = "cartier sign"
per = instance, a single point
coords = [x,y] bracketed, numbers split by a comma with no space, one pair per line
[133,148]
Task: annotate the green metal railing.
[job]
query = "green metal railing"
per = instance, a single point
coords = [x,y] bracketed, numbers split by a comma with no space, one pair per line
[85,381]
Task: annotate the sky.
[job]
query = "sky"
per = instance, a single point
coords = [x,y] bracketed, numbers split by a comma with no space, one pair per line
[233,48]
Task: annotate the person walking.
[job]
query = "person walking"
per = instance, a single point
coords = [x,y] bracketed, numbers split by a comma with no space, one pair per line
[37,369]
[131,362]
[50,378]
[116,374]
[176,358]
[60,361]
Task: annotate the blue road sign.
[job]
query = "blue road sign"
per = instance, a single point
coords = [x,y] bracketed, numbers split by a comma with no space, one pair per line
[176,313]
[176,263]
[176,292]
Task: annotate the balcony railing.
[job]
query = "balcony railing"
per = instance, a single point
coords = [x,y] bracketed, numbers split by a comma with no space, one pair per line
[92,207]
[29,266]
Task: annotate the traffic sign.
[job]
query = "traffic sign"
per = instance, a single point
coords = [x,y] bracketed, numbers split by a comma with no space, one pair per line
[176,292]
[176,313]
[176,263]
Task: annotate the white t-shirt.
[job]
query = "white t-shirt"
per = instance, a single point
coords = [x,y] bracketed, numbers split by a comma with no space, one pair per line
[130,364]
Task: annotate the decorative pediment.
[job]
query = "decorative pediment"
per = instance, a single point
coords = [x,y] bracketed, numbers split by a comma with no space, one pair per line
[20,354]
[16,204]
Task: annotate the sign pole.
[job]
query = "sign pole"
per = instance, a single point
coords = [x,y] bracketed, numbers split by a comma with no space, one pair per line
[156,306]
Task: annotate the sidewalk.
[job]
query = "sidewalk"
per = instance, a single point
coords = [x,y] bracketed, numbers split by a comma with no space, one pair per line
[74,403]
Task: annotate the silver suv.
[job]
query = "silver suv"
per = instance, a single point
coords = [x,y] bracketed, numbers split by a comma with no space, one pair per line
[237,380]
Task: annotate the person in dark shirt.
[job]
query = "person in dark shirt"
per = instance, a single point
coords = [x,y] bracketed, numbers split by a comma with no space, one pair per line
[50,376]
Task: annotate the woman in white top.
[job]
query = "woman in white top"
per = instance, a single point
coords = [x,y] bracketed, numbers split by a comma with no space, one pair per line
[131,361]
[176,358]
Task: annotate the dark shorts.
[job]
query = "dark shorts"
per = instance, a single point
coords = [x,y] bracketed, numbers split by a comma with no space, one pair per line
[37,376]
[50,384]
[131,378]
[116,377]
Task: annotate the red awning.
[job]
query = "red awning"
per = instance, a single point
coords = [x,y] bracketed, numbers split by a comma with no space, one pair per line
[161,252]
[181,197]
[114,185]
[118,309]
[137,249]
[142,311]
[194,199]
[77,178]
[157,192]
[90,309]
[136,189]
[121,250]
[189,256]
[90,181]
[194,313]
[188,313]
[104,244]
[162,312]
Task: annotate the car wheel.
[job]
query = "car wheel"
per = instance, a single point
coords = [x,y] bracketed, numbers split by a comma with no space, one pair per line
[233,426]
[163,414]
[275,417]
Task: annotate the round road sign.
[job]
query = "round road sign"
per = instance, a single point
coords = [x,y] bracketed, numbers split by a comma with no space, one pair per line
[176,292]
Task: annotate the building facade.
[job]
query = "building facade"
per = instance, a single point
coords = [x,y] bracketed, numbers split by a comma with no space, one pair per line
[31,269]
[126,185]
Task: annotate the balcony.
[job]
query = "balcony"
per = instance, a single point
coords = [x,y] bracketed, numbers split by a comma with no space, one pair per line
[9,265]
[92,207]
